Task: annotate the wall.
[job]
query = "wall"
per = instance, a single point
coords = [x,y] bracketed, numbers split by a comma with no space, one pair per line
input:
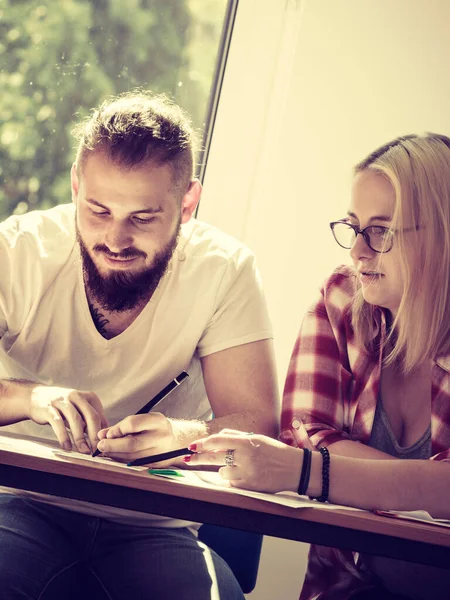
[311,88]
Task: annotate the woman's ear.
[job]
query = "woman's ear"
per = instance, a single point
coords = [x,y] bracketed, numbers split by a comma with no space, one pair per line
[190,200]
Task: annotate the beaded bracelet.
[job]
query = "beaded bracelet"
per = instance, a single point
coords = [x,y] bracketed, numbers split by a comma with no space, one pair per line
[305,473]
[325,474]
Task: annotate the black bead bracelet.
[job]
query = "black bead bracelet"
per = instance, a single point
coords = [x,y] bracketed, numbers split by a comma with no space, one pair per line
[325,474]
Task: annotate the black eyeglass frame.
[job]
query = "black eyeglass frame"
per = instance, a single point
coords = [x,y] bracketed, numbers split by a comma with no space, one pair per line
[366,236]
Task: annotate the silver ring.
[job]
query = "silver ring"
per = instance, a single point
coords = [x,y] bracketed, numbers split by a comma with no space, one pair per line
[229,458]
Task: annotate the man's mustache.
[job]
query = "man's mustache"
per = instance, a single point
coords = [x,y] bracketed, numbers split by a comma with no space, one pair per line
[126,253]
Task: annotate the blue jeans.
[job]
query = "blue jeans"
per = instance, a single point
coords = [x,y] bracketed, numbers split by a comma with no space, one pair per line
[41,543]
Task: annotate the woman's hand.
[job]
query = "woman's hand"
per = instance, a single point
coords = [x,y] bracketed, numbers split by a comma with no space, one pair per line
[259,463]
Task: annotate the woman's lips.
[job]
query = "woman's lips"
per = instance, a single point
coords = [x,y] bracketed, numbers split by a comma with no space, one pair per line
[370,276]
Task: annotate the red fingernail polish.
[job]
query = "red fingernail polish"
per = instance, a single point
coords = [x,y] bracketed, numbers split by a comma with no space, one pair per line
[186,458]
[192,447]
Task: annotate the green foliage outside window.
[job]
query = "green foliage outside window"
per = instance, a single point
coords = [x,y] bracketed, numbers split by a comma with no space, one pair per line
[58,59]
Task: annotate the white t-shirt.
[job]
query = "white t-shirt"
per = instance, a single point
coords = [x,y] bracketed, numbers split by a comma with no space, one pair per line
[210,299]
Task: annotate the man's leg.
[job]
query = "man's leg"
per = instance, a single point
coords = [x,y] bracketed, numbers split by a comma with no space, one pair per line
[146,563]
[35,546]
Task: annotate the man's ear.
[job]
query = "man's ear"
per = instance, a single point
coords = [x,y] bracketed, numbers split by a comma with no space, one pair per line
[190,200]
[75,184]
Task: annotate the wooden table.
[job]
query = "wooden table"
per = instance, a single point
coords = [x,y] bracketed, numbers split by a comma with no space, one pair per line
[356,530]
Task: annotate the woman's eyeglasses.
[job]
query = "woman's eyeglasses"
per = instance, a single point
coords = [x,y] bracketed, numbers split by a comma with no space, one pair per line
[380,239]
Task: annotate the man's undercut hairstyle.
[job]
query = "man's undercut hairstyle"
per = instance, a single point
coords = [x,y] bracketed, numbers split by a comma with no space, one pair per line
[140,127]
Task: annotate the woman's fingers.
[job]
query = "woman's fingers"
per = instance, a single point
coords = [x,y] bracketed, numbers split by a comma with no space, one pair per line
[221,441]
[216,458]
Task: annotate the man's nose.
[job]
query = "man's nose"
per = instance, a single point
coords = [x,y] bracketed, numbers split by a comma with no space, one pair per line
[118,237]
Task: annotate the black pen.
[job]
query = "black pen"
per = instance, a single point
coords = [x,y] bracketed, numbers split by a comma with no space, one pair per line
[158,398]
[158,457]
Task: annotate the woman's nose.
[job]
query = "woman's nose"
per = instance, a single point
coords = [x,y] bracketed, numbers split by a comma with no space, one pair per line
[360,248]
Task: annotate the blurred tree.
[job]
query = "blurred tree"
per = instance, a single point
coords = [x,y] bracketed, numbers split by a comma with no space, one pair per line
[59,59]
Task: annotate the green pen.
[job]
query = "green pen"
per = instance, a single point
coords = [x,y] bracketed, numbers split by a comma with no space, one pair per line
[168,472]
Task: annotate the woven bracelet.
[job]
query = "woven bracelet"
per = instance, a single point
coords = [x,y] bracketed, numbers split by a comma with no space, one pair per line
[325,474]
[305,473]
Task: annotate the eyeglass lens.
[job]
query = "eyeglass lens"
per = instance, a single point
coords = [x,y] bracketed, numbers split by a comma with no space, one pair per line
[379,238]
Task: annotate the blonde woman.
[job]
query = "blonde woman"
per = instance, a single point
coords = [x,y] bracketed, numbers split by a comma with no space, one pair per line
[366,408]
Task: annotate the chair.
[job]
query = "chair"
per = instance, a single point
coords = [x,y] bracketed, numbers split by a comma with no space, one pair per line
[240,549]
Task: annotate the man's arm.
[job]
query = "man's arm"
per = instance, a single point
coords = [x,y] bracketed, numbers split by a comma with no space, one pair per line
[242,388]
[61,408]
[14,400]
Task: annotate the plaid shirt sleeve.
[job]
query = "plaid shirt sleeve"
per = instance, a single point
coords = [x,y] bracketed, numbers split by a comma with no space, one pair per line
[315,410]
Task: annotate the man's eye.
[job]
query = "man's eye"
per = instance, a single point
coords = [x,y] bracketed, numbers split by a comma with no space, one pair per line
[98,214]
[144,221]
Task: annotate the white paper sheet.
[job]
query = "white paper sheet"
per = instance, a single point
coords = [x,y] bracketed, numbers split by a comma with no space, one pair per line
[102,460]
[414,515]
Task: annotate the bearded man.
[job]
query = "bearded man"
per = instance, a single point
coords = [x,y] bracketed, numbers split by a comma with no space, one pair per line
[103,302]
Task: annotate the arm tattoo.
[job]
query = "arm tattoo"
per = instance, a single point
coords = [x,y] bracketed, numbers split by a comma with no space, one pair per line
[100,321]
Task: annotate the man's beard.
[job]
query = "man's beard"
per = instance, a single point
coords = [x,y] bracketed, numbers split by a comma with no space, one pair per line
[121,290]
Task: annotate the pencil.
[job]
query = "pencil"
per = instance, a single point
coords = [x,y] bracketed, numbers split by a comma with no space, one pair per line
[158,398]
[159,457]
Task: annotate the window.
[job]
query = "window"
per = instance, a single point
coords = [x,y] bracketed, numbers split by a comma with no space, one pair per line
[60,59]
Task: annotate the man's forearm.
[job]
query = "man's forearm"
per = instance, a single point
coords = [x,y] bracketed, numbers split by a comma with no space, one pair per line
[254,421]
[251,420]
[14,400]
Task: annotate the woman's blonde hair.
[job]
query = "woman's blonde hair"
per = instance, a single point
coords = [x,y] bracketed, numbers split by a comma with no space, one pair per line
[418,167]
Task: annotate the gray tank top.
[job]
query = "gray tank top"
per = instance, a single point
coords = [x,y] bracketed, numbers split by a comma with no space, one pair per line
[413,580]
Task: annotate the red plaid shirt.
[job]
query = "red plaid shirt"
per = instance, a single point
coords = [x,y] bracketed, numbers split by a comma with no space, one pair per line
[331,394]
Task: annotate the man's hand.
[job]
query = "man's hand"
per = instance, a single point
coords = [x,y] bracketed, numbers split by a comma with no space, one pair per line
[67,409]
[137,436]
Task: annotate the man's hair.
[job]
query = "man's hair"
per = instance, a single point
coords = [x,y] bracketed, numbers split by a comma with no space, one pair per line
[418,167]
[140,127]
